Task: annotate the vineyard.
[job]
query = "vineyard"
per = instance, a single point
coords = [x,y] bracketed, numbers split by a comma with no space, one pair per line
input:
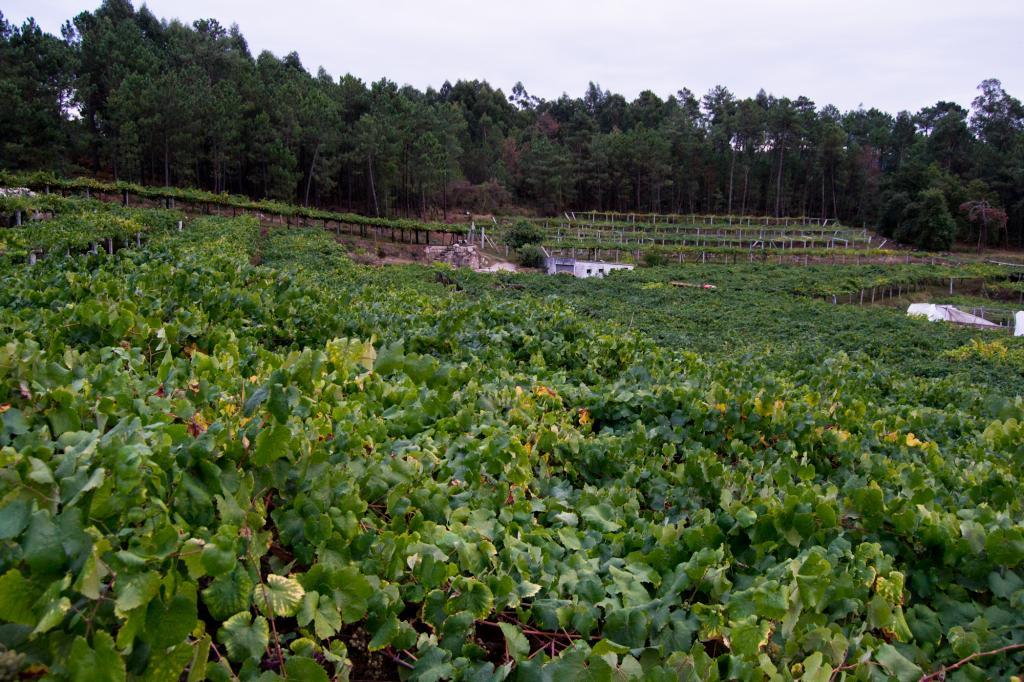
[631,238]
[730,239]
[230,453]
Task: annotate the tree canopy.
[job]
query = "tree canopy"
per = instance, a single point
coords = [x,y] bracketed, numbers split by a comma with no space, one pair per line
[124,94]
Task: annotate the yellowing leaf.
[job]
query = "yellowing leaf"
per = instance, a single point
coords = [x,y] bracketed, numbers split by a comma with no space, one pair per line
[913,442]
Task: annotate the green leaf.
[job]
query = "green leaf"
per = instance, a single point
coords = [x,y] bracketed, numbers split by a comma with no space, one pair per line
[1005,546]
[879,613]
[320,610]
[515,641]
[255,400]
[747,636]
[745,517]
[218,560]
[600,517]
[433,665]
[389,358]
[813,578]
[228,594]
[42,546]
[627,627]
[168,666]
[897,664]
[99,663]
[14,518]
[135,591]
[277,405]
[14,422]
[962,642]
[384,634]
[169,624]
[1004,586]
[569,539]
[279,596]
[53,615]
[353,593]
[815,669]
[271,444]
[473,596]
[90,579]
[201,657]
[245,638]
[17,595]
[305,670]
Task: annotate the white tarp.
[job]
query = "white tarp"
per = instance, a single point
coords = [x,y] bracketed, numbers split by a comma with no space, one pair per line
[925,310]
[948,313]
[1018,323]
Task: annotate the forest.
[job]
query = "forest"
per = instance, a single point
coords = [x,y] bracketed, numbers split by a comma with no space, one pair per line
[125,95]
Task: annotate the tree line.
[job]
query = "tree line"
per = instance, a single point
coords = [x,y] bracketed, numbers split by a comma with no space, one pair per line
[121,93]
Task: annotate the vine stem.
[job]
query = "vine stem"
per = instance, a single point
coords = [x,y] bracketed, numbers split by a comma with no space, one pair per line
[941,672]
[270,612]
[223,661]
[397,659]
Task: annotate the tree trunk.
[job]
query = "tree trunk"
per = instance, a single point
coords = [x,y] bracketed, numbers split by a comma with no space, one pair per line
[373,188]
[309,179]
[823,194]
[167,162]
[835,207]
[732,169]
[746,179]
[778,185]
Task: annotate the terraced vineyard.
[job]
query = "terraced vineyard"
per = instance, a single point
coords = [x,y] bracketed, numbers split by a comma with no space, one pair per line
[307,469]
[654,237]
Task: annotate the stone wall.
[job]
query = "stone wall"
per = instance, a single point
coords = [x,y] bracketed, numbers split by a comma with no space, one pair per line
[458,255]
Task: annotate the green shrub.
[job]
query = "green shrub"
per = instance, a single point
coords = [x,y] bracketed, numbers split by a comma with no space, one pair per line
[654,258]
[531,256]
[522,233]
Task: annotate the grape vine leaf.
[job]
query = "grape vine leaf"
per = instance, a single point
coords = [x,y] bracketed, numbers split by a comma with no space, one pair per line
[135,591]
[271,444]
[168,624]
[168,666]
[100,663]
[305,669]
[473,596]
[228,594]
[515,640]
[14,518]
[897,664]
[17,595]
[246,638]
[279,596]
[43,550]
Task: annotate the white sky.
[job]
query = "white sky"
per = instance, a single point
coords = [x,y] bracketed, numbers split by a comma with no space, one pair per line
[892,54]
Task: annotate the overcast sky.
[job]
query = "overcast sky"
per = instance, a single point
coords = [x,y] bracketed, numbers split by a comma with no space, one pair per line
[892,54]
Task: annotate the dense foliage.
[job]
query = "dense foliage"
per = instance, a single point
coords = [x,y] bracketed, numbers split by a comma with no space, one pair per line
[310,469]
[786,317]
[163,103]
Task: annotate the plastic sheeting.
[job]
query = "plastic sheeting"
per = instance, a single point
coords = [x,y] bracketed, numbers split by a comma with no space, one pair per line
[947,313]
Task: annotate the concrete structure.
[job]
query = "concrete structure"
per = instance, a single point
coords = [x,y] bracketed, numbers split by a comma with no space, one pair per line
[1018,323]
[582,268]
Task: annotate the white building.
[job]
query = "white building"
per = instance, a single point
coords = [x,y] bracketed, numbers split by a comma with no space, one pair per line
[582,268]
